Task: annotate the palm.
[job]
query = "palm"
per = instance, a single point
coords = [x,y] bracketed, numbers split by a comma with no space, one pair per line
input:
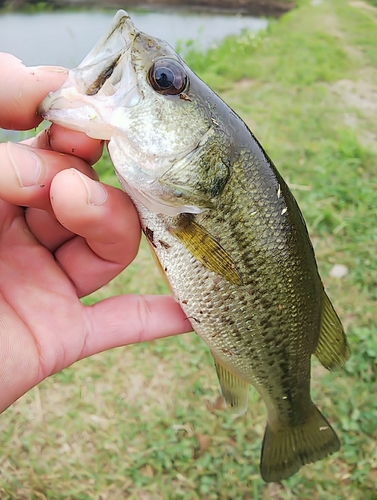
[38,300]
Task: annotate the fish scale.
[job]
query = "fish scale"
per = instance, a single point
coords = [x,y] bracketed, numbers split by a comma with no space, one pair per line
[250,314]
[225,227]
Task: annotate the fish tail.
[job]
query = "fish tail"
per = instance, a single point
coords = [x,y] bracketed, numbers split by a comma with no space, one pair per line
[285,451]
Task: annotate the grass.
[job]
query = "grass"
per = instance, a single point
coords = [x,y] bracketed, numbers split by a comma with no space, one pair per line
[144,422]
[31,7]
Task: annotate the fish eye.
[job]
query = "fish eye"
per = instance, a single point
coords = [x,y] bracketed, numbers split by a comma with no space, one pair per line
[167,77]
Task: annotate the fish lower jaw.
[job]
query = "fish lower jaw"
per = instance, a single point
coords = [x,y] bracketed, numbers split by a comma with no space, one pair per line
[88,126]
[70,109]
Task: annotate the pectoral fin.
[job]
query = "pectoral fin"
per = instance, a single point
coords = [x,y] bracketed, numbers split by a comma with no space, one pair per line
[206,249]
[234,390]
[332,349]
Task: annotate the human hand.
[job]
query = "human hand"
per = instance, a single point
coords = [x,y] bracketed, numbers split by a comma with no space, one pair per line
[62,236]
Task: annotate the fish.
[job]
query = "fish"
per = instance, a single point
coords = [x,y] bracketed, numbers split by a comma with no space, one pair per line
[227,231]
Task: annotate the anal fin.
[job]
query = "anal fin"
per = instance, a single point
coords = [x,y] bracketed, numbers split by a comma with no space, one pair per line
[332,349]
[234,390]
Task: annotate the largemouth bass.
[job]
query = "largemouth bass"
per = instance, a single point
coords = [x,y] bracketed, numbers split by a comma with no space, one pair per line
[225,227]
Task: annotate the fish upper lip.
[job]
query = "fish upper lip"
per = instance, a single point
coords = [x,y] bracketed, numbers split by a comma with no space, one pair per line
[103,81]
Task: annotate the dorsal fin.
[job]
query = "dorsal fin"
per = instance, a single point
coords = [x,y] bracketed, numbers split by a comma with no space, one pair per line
[332,349]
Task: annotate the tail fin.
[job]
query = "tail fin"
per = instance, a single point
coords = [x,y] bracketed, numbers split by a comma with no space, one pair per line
[285,451]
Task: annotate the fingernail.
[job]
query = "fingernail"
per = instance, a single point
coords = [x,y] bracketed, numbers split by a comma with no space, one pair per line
[28,165]
[49,69]
[97,194]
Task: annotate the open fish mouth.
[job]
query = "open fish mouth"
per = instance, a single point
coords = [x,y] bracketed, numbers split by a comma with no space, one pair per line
[132,91]
[104,82]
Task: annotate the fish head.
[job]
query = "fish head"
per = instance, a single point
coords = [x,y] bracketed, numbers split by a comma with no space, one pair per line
[134,91]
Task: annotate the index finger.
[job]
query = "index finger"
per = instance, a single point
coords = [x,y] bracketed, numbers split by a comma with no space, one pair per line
[22,89]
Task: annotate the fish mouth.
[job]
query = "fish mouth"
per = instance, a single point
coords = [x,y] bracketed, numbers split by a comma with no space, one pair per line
[104,81]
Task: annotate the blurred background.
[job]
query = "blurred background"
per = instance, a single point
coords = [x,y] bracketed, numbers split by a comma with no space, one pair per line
[146,421]
[65,36]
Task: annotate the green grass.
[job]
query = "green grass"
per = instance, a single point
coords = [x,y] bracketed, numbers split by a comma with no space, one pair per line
[142,422]
[31,7]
